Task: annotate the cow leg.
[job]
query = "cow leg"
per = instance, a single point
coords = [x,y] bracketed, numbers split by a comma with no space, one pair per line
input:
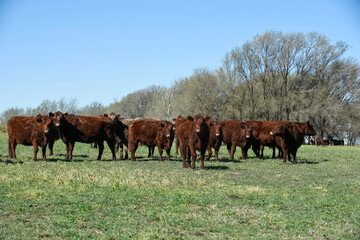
[233,150]
[67,151]
[294,156]
[35,150]
[273,148]
[111,143]
[12,149]
[228,147]
[51,146]
[193,157]
[243,154]
[126,152]
[183,154]
[121,147]
[188,156]
[202,154]
[262,151]
[71,149]
[209,153]
[101,149]
[256,149]
[176,147]
[168,154]
[160,152]
[217,155]
[133,147]
[44,153]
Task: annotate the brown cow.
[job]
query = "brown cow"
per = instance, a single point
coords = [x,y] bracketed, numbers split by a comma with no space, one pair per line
[36,131]
[320,141]
[236,133]
[193,134]
[215,139]
[86,129]
[290,136]
[261,137]
[151,133]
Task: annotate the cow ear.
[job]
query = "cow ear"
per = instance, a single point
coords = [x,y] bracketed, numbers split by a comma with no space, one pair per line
[38,118]
[174,119]
[118,116]
[207,118]
[222,124]
[211,124]
[51,114]
[105,115]
[190,118]
[162,124]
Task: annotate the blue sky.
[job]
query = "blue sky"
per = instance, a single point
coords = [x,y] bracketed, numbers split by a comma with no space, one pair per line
[104,50]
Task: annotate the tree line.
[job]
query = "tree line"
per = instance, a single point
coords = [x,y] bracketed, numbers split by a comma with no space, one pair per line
[275,76]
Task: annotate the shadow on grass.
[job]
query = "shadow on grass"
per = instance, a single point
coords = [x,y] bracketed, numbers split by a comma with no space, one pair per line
[306,161]
[8,161]
[216,168]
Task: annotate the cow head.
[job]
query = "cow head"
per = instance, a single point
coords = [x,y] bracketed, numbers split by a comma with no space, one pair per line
[248,128]
[57,118]
[167,128]
[44,122]
[199,122]
[280,129]
[217,126]
[309,130]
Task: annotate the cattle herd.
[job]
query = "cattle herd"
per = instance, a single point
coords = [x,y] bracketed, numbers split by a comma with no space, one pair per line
[192,133]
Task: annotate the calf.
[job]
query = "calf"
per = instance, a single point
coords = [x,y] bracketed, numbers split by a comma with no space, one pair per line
[151,133]
[320,141]
[236,133]
[36,131]
[193,134]
[86,129]
[215,139]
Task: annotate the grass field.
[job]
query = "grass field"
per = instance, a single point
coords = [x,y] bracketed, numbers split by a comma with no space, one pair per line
[318,198]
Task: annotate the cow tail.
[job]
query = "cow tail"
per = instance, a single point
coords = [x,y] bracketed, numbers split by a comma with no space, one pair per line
[9,144]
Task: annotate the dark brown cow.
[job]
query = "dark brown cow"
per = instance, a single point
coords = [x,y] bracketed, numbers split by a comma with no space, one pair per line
[215,139]
[320,141]
[36,131]
[151,133]
[121,126]
[290,136]
[236,133]
[193,134]
[86,129]
[338,142]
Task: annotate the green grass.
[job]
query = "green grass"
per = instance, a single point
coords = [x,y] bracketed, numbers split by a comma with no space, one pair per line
[318,198]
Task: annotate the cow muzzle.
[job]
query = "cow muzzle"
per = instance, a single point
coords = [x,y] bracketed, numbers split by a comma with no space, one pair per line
[272,133]
[46,130]
[217,134]
[167,135]
[57,124]
[197,130]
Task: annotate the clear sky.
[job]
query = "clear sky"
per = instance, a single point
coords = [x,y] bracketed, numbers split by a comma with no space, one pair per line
[104,50]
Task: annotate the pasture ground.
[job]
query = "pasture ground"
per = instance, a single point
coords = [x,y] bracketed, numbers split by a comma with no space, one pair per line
[318,198]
